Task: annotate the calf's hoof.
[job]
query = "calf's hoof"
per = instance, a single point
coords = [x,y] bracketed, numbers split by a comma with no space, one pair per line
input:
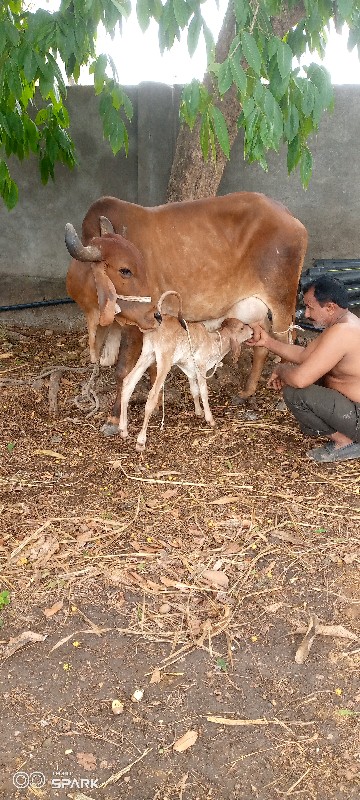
[109,429]
[140,447]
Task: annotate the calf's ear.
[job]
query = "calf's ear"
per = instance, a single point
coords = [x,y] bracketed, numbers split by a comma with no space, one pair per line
[235,348]
[106,294]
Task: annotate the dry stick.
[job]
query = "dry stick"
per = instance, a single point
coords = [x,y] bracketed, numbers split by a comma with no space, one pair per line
[116,777]
[54,386]
[261,721]
[289,791]
[154,480]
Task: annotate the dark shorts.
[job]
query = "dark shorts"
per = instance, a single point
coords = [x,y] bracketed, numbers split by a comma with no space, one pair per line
[321,411]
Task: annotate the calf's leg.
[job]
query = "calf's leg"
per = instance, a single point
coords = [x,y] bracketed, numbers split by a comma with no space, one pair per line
[163,368]
[205,400]
[129,352]
[147,357]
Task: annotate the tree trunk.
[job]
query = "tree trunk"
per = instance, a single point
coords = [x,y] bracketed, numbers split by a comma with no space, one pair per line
[192,177]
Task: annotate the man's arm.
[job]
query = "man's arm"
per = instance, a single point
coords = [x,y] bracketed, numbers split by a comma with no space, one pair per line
[289,352]
[331,347]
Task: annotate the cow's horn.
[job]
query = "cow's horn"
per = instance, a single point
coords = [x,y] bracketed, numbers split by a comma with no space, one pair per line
[77,249]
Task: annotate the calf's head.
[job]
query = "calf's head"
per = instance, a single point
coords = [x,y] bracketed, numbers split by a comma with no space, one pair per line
[118,269]
[238,332]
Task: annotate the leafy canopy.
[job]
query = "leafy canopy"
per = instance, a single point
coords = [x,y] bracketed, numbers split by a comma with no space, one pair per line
[277,104]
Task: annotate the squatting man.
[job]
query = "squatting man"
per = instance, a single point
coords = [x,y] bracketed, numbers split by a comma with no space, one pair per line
[321,384]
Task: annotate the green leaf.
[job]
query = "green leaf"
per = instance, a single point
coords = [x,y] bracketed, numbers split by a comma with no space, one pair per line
[251,51]
[242,12]
[122,9]
[345,8]
[194,33]
[284,59]
[143,14]
[238,73]
[306,167]
[308,97]
[221,130]
[225,77]
[182,12]
[293,153]
[347,712]
[98,67]
[321,78]
[291,123]
[4,598]
[274,118]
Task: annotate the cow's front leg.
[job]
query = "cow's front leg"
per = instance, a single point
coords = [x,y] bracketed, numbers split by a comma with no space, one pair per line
[129,352]
[111,345]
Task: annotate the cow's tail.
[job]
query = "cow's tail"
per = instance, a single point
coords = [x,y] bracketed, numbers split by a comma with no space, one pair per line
[180,312]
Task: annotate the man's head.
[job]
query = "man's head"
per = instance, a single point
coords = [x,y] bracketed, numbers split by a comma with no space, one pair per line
[325,299]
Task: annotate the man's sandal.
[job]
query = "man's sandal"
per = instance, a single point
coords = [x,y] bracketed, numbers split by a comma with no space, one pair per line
[329,453]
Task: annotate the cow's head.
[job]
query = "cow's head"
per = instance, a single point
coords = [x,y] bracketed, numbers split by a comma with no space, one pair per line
[118,269]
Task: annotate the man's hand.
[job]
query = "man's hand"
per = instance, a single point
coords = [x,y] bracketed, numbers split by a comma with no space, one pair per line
[259,338]
[275,381]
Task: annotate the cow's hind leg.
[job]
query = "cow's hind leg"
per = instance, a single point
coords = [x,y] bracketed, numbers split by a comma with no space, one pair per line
[129,352]
[259,355]
[280,329]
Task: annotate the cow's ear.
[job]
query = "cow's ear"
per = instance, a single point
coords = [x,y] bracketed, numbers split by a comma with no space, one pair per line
[107,297]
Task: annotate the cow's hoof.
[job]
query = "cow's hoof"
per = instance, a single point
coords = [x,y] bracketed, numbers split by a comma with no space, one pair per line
[239,400]
[140,447]
[109,429]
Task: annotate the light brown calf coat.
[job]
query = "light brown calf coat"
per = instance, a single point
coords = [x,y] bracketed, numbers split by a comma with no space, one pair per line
[195,351]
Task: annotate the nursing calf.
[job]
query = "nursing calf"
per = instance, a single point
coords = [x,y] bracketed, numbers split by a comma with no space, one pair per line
[195,350]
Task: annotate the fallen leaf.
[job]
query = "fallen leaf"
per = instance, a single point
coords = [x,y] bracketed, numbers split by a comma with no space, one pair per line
[26,637]
[169,493]
[86,760]
[231,548]
[49,612]
[304,648]
[216,578]
[338,631]
[187,740]
[42,550]
[156,676]
[6,355]
[272,607]
[176,584]
[51,453]
[222,501]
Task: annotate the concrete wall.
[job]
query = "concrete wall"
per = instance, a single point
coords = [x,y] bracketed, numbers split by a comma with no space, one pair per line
[33,257]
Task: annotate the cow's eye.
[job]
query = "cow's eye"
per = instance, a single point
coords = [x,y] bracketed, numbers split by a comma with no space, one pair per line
[126,272]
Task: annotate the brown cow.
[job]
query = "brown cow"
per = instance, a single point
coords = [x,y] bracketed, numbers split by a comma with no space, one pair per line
[238,255]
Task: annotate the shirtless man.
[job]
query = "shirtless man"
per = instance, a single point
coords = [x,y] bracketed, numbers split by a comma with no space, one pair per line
[321,385]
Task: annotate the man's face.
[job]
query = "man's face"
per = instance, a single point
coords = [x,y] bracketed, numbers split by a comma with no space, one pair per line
[322,316]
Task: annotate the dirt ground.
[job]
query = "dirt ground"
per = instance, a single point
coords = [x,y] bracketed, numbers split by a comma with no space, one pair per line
[188,575]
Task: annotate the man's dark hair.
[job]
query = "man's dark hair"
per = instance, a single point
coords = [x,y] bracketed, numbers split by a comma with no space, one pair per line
[329,290]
